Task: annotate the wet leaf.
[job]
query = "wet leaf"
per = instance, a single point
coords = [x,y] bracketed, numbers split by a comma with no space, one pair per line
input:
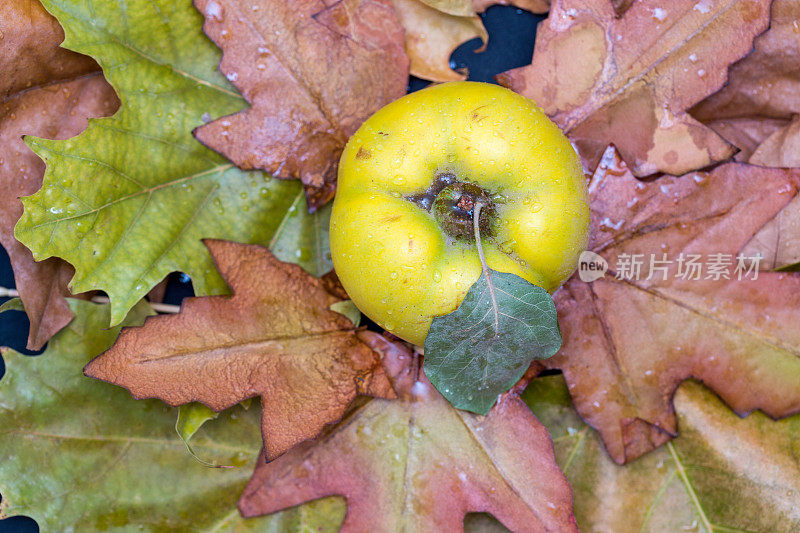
[312,75]
[69,442]
[765,83]
[394,462]
[49,92]
[630,340]
[722,473]
[629,80]
[483,348]
[123,220]
[274,338]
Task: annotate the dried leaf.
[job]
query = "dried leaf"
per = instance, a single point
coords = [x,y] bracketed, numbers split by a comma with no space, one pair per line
[766,82]
[70,445]
[459,8]
[418,464]
[31,56]
[123,220]
[49,92]
[630,340]
[721,473]
[483,348]
[778,241]
[432,36]
[629,80]
[781,149]
[274,338]
[746,133]
[312,77]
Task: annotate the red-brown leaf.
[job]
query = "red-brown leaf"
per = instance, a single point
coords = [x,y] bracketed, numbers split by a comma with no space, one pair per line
[766,83]
[274,338]
[629,343]
[312,75]
[417,464]
[629,80]
[47,92]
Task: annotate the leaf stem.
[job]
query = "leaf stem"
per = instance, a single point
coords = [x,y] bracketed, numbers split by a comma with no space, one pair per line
[476,216]
[161,308]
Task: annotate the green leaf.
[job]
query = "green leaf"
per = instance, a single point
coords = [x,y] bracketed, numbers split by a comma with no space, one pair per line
[191,417]
[14,304]
[79,454]
[302,238]
[721,473]
[482,348]
[129,200]
[348,309]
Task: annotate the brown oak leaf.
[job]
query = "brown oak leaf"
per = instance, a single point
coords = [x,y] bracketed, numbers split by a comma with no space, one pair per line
[630,340]
[765,83]
[48,92]
[274,338]
[312,71]
[629,79]
[417,464]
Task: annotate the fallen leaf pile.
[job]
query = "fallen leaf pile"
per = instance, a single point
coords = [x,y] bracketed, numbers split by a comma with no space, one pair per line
[418,464]
[169,136]
[136,218]
[717,475]
[628,343]
[69,442]
[629,78]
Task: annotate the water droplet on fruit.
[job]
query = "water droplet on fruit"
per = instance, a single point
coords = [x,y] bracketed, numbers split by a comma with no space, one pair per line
[437,276]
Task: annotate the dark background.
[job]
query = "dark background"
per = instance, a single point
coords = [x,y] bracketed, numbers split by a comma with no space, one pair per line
[511,35]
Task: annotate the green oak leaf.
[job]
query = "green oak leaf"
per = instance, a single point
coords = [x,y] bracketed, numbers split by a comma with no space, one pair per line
[484,347]
[129,200]
[79,454]
[721,473]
